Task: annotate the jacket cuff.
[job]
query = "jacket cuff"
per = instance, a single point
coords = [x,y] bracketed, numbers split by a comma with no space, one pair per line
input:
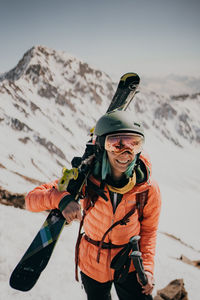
[65,201]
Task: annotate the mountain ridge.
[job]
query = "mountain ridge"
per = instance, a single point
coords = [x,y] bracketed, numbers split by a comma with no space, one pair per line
[43,106]
[49,102]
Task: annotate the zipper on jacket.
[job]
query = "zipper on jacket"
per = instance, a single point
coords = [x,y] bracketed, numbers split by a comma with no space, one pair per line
[114,202]
[114,205]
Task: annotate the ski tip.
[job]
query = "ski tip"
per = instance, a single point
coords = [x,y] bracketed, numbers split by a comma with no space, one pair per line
[130,81]
[129,75]
[23,282]
[21,287]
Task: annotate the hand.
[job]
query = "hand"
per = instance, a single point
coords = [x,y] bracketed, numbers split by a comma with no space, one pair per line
[72,211]
[148,288]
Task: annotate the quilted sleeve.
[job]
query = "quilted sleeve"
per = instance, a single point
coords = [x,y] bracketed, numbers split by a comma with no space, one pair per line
[149,226]
[44,197]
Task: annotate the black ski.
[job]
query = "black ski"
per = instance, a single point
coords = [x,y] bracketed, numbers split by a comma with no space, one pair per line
[125,92]
[37,256]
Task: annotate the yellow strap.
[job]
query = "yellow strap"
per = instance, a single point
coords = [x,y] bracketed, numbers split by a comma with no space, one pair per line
[126,188]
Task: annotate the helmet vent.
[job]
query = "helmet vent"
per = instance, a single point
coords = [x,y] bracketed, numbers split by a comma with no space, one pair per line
[137,124]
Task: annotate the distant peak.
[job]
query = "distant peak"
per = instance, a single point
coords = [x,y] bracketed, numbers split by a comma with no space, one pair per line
[42,50]
[17,72]
[38,55]
[46,63]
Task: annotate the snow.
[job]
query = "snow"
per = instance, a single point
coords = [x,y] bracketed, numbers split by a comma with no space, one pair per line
[43,118]
[57,280]
[172,84]
[176,168]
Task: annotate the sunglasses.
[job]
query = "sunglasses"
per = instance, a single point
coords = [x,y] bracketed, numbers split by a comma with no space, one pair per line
[119,142]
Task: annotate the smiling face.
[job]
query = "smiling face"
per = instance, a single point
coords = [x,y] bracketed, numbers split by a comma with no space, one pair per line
[121,149]
[119,162]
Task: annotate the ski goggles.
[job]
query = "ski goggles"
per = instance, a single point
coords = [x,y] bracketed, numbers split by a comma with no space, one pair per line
[120,142]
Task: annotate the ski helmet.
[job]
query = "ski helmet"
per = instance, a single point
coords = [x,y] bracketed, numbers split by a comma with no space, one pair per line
[118,121]
[114,122]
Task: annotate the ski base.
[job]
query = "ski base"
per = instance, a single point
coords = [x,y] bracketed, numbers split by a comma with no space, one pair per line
[37,256]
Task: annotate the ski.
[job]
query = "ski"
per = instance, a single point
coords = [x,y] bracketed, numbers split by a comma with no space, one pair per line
[37,256]
[126,90]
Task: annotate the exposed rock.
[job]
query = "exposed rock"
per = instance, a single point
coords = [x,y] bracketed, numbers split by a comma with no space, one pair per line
[18,71]
[47,91]
[12,199]
[180,97]
[50,146]
[177,239]
[157,297]
[185,97]
[186,260]
[34,107]
[175,290]
[165,111]
[84,68]
[18,125]
[24,140]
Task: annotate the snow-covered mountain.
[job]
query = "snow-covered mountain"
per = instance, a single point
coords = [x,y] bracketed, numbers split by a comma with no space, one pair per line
[49,102]
[173,84]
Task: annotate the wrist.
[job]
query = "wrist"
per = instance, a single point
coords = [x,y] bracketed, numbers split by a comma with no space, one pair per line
[65,201]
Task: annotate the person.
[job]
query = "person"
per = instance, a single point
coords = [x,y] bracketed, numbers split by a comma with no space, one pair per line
[120,173]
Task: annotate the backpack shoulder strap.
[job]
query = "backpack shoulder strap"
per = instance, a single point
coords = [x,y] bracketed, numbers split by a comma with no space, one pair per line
[141,201]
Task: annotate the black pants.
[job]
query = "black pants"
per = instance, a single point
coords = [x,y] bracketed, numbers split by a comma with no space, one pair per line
[128,290]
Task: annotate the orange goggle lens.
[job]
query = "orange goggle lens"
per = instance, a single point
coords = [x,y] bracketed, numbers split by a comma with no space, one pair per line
[120,142]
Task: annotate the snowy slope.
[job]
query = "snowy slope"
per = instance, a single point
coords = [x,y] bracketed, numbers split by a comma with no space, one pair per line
[57,280]
[48,103]
[172,84]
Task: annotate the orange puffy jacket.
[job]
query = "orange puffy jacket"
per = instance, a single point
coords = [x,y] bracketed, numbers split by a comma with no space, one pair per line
[100,217]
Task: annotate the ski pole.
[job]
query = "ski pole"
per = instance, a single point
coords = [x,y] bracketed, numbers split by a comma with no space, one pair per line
[137,259]
[137,262]
[134,242]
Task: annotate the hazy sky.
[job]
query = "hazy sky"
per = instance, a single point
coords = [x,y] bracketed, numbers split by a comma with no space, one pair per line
[151,37]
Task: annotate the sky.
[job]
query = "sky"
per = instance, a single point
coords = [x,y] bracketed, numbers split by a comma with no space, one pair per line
[150,37]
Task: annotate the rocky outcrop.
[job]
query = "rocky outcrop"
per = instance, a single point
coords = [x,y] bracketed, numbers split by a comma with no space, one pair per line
[175,290]
[12,199]
[185,259]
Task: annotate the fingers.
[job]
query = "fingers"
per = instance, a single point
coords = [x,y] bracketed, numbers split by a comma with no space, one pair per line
[72,211]
[148,288]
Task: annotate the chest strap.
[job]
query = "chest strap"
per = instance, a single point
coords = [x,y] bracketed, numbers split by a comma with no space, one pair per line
[141,200]
[104,245]
[123,221]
